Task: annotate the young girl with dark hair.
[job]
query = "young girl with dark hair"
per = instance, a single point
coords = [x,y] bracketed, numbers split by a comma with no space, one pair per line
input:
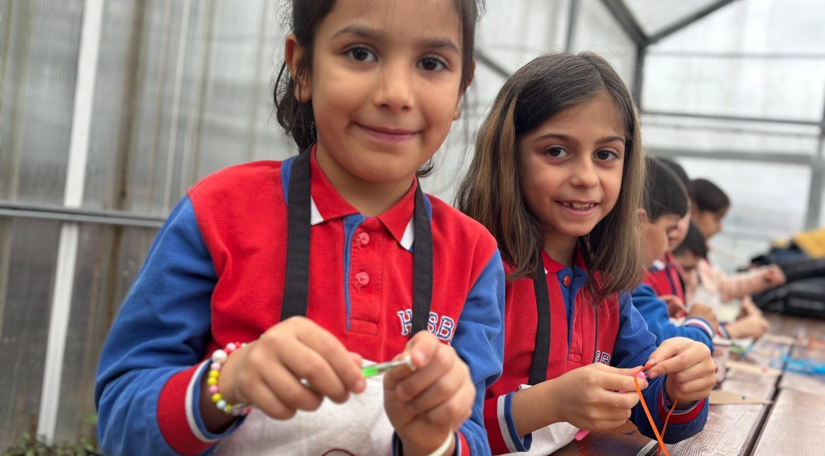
[271,282]
[557,179]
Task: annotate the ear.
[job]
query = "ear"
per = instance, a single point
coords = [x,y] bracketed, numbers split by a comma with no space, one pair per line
[643,218]
[457,113]
[293,54]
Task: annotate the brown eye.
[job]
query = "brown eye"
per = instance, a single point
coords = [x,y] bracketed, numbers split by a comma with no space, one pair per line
[431,64]
[362,54]
[606,155]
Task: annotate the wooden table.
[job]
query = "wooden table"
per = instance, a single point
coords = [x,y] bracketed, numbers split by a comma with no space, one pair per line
[794,424]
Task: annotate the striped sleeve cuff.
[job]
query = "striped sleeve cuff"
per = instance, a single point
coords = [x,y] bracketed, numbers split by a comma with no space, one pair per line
[678,416]
[179,415]
[701,324]
[723,331]
[510,441]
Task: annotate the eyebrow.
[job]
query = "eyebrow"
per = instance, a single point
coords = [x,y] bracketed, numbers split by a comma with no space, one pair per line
[371,34]
[564,137]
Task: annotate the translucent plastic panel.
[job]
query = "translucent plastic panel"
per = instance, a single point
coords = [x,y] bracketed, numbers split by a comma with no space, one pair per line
[38,68]
[28,255]
[513,33]
[455,154]
[184,89]
[656,15]
[730,136]
[760,88]
[597,31]
[767,199]
[785,27]
[109,259]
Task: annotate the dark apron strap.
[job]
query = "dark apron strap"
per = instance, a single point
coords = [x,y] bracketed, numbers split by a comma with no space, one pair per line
[538,372]
[296,284]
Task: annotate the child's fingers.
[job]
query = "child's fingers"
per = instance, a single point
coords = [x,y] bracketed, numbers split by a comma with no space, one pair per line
[439,364]
[443,389]
[622,400]
[290,391]
[336,355]
[621,379]
[456,409]
[261,395]
[422,347]
[680,361]
[304,363]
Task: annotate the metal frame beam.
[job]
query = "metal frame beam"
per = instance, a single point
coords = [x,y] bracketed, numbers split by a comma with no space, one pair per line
[571,25]
[77,215]
[628,22]
[748,156]
[812,123]
[670,30]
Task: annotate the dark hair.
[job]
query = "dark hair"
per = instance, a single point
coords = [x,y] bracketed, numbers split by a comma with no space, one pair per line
[680,173]
[694,243]
[709,197]
[664,194]
[297,118]
[490,191]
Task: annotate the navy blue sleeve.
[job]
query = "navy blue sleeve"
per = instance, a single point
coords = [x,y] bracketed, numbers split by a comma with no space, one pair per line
[479,341]
[654,311]
[160,332]
[634,345]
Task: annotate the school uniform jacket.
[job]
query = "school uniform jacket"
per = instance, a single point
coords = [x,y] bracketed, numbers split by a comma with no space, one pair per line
[655,313]
[215,275]
[619,339]
[665,279]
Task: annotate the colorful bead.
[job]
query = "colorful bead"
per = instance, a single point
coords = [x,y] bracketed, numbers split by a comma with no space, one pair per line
[219,356]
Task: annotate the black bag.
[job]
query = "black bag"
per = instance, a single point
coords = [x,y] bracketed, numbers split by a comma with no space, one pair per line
[804,297]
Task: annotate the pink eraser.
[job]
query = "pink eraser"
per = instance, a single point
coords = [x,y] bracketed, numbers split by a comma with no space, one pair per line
[581,434]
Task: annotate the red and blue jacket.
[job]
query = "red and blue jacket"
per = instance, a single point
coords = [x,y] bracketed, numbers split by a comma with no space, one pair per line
[620,339]
[665,279]
[655,313]
[215,275]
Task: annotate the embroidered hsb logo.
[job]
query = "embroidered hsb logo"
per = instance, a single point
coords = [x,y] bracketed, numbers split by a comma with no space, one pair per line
[603,358]
[443,327]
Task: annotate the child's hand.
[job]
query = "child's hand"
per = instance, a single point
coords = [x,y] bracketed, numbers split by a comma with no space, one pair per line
[690,368]
[748,308]
[267,373]
[753,325]
[426,405]
[594,397]
[706,313]
[675,307]
[774,275]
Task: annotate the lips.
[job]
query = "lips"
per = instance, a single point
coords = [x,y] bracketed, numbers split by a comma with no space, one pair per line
[386,134]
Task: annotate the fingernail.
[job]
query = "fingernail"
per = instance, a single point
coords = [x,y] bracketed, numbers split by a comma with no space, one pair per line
[400,393]
[360,385]
[652,375]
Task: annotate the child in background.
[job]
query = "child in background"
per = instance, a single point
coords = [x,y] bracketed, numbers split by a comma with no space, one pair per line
[556,177]
[368,91]
[664,204]
[665,276]
[710,206]
[703,288]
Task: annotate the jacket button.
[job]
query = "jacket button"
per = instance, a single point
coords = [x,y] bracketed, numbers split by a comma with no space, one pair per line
[362,279]
[364,239]
[566,281]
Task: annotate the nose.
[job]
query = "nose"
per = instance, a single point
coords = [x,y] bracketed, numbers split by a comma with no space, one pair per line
[395,87]
[584,174]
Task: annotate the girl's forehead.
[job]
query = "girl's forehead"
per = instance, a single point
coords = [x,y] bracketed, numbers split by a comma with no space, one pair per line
[397,20]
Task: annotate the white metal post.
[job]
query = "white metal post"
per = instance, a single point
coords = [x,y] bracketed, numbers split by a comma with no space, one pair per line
[69,232]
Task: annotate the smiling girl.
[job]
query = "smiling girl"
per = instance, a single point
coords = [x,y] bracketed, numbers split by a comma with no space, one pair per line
[273,276]
[557,179]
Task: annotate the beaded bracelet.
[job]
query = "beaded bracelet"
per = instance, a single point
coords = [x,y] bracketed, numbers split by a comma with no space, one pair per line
[218,359]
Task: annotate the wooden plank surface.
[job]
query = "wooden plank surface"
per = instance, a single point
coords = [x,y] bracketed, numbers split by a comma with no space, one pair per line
[794,427]
[815,351]
[624,440]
